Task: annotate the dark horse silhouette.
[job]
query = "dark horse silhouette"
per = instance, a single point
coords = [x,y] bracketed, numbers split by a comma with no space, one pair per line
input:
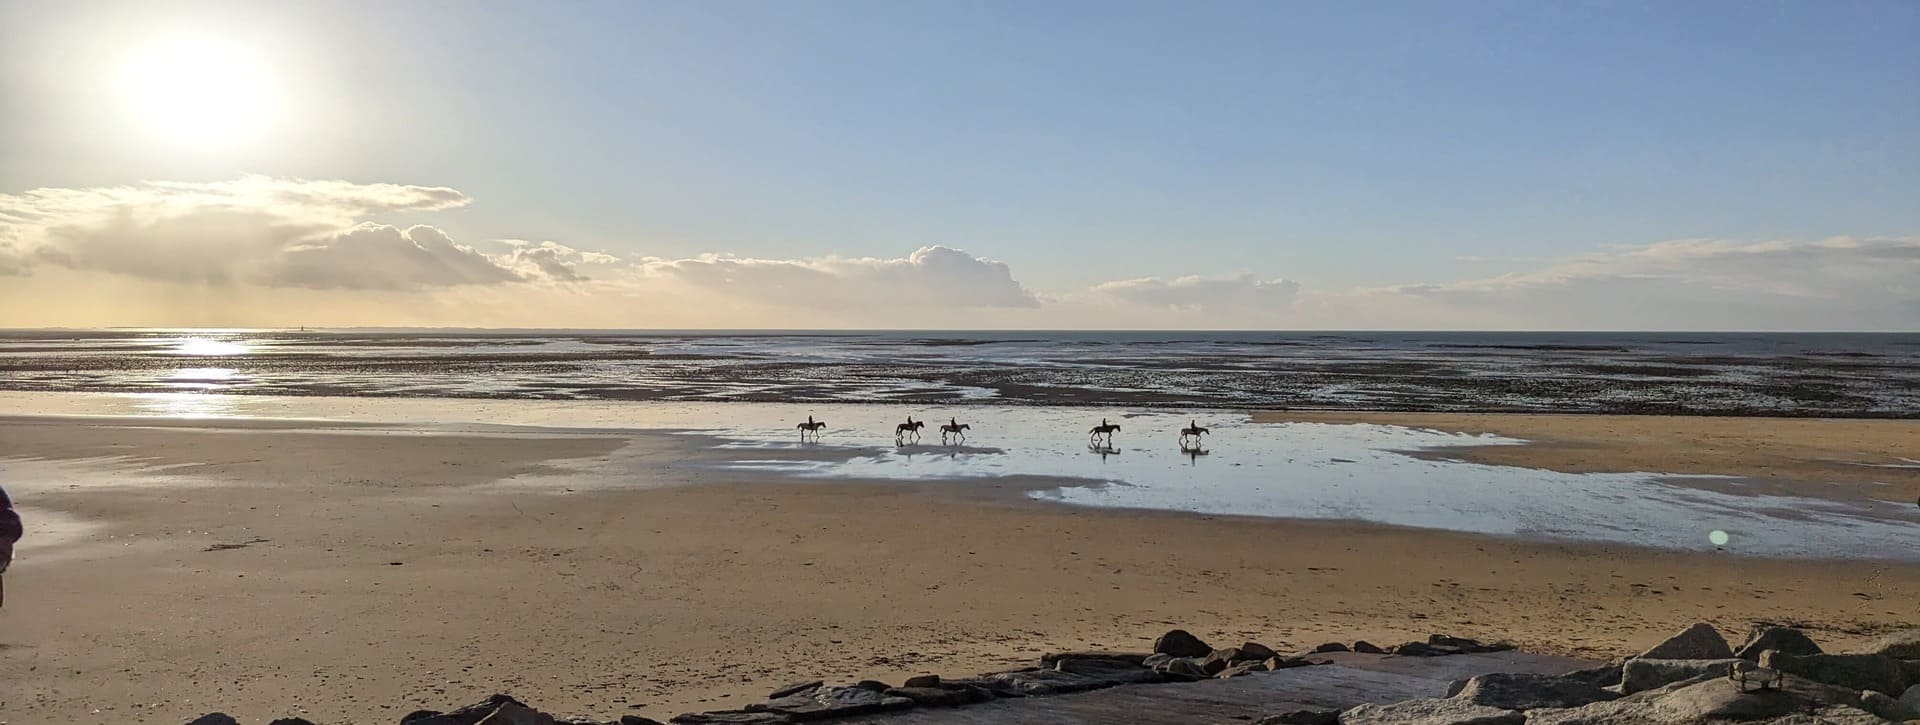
[1193,431]
[909,429]
[811,427]
[1104,430]
[954,428]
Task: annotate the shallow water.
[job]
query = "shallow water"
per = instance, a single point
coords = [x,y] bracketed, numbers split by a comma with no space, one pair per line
[1834,374]
[1287,470]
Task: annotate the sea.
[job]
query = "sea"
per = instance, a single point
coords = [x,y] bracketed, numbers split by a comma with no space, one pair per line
[1790,374]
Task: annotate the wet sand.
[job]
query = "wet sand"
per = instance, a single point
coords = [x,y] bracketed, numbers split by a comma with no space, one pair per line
[1845,458]
[353,573]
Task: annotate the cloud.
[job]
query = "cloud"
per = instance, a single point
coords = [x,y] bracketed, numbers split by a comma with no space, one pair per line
[252,230]
[551,260]
[1243,291]
[932,276]
[1835,283]
[378,256]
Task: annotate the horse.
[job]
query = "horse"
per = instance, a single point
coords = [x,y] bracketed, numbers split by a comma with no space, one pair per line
[954,428]
[1193,431]
[811,426]
[911,428]
[1104,429]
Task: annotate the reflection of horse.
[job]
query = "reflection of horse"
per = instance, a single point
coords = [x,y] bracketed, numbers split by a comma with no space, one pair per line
[811,427]
[1104,430]
[1192,452]
[954,428]
[1194,431]
[1104,449]
[908,430]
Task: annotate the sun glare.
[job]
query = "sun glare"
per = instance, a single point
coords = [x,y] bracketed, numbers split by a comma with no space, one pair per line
[200,93]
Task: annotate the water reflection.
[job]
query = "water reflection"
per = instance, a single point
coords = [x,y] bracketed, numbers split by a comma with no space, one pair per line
[1104,449]
[1193,453]
[187,405]
[210,347]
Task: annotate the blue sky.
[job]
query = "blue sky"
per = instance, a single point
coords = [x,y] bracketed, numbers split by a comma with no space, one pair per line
[1340,145]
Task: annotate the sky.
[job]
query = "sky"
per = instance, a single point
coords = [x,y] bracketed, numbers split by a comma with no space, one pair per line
[1570,165]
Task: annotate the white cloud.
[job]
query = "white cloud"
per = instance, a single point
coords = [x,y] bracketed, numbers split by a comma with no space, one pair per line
[378,256]
[1244,292]
[551,260]
[930,277]
[1836,283]
[263,251]
[252,230]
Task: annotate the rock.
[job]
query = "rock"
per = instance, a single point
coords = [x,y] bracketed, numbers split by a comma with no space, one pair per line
[1155,660]
[1136,659]
[1785,639]
[943,695]
[1913,670]
[291,721]
[1843,715]
[514,713]
[1302,717]
[1254,651]
[1430,712]
[1179,643]
[1030,683]
[1421,649]
[1284,663]
[1221,659]
[1365,647]
[730,717]
[637,720]
[1528,691]
[1698,642]
[1703,699]
[874,685]
[1116,672]
[795,689]
[1242,669]
[1854,671]
[1911,700]
[830,702]
[214,718]
[1904,644]
[1606,675]
[1328,647]
[1184,668]
[1883,705]
[417,716]
[923,681]
[470,715]
[1641,674]
[1464,644]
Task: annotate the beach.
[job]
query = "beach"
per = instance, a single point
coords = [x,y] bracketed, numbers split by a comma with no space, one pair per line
[350,572]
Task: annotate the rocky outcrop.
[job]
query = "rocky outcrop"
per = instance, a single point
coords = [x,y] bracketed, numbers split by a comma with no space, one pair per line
[1698,642]
[1641,674]
[1180,643]
[1704,700]
[1449,711]
[1853,671]
[823,703]
[1528,692]
[1783,639]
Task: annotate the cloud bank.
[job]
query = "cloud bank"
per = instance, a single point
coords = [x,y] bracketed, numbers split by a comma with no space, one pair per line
[264,251]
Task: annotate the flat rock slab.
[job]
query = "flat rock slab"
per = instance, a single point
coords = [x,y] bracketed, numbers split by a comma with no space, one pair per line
[1352,679]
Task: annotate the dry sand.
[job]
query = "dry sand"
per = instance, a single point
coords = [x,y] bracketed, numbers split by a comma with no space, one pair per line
[389,570]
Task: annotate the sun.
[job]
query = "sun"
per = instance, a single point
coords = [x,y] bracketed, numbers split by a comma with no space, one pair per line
[200,93]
